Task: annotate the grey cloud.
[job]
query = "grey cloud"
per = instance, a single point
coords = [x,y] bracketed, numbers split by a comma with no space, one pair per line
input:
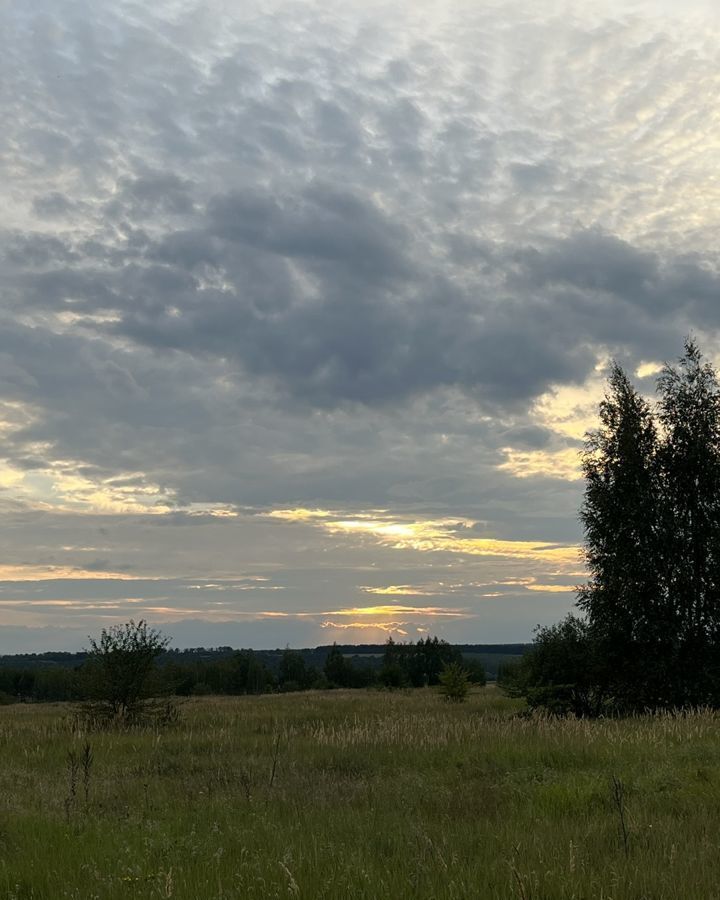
[593,260]
[188,249]
[343,339]
[38,250]
[28,463]
[533,176]
[275,255]
[52,205]
[531,436]
[152,193]
[324,223]
[354,340]
[104,565]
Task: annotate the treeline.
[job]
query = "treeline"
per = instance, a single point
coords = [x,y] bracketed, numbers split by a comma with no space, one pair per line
[491,656]
[187,673]
[649,636]
[421,664]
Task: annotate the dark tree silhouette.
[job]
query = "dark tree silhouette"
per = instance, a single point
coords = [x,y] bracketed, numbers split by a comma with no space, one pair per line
[562,672]
[248,674]
[337,669]
[623,597]
[294,674]
[119,668]
[651,634]
[690,472]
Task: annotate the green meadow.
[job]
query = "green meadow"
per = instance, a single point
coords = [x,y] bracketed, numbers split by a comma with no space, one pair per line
[360,795]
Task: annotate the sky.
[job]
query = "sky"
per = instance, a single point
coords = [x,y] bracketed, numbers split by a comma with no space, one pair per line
[305,307]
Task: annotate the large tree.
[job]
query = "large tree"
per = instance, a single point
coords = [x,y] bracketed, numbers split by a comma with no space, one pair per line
[651,633]
[623,598]
[690,523]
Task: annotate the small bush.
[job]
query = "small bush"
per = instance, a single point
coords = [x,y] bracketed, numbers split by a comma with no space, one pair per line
[118,678]
[454,684]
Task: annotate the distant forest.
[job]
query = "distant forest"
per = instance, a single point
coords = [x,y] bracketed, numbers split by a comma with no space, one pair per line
[59,676]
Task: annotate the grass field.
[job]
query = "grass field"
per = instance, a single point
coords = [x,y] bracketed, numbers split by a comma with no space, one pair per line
[352,794]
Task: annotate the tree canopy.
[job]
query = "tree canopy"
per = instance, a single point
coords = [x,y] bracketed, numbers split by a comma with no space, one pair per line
[650,636]
[119,668]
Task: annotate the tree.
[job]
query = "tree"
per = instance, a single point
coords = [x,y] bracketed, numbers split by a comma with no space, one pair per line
[118,671]
[294,674]
[690,509]
[623,597]
[337,669]
[562,672]
[424,660]
[454,684]
[392,674]
[475,671]
[248,674]
[651,637]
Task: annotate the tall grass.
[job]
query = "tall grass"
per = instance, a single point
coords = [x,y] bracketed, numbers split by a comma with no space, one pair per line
[360,795]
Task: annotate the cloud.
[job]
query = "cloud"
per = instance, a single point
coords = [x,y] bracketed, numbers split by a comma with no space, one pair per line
[361,627]
[564,464]
[92,571]
[400,590]
[647,369]
[432,536]
[365,265]
[393,610]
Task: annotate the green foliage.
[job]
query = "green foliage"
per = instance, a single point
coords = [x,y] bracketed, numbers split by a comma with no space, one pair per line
[426,660]
[454,683]
[392,675]
[294,673]
[651,512]
[118,670]
[248,674]
[337,670]
[689,463]
[562,672]
[392,672]
[475,671]
[199,670]
[416,665]
[623,597]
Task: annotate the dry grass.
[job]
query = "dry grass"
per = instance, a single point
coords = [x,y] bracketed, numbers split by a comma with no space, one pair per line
[360,795]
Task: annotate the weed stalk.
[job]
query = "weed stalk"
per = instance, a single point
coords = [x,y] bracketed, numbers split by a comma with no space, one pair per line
[87,761]
[276,753]
[619,799]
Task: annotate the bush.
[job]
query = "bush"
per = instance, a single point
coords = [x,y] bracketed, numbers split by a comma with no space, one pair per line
[561,672]
[475,671]
[454,684]
[392,675]
[117,675]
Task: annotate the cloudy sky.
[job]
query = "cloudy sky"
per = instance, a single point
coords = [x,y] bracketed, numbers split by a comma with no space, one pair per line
[306,307]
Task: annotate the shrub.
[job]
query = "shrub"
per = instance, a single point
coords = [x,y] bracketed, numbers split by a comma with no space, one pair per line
[561,672]
[118,673]
[454,684]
